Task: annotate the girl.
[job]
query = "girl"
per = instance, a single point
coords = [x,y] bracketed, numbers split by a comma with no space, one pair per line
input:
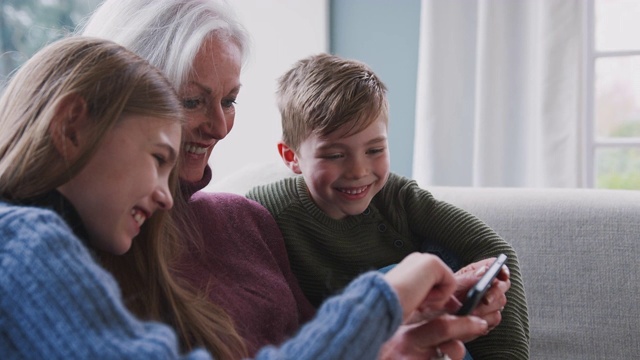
[89,136]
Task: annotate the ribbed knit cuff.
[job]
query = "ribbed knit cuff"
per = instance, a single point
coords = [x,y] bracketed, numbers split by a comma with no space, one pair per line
[352,325]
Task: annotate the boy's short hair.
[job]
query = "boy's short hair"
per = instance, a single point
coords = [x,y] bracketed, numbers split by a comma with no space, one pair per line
[323,92]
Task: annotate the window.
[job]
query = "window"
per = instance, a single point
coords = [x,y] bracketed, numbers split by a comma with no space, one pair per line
[27,25]
[612,145]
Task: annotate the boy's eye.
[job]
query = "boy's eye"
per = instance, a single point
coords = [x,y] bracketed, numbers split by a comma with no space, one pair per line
[376,151]
[332,156]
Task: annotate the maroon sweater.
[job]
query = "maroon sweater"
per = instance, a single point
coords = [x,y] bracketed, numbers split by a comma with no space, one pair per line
[243,264]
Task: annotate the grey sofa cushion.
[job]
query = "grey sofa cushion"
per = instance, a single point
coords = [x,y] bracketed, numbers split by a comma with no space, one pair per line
[578,252]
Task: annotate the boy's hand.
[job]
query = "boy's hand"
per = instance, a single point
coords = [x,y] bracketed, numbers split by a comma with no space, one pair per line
[494,300]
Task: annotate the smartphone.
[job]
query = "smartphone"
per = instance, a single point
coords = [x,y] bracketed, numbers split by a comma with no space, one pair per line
[476,293]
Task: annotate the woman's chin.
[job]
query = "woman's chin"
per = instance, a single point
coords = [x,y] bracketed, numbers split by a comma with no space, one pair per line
[191,173]
[192,167]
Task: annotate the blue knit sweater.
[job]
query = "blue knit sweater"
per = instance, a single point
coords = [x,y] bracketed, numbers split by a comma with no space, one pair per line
[57,302]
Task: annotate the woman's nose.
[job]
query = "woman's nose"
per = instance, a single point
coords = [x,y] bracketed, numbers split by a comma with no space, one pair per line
[217,123]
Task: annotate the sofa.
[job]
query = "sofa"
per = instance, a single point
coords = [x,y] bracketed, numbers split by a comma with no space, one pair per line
[579,256]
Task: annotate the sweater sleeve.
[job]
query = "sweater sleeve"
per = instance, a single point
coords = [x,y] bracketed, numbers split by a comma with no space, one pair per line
[471,240]
[352,325]
[58,303]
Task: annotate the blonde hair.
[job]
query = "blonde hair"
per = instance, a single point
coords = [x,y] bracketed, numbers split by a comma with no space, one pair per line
[323,92]
[153,292]
[111,81]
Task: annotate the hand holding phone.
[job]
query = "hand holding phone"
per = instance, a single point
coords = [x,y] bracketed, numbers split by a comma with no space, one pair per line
[476,293]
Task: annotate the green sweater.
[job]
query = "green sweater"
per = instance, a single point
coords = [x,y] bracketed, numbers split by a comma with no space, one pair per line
[326,254]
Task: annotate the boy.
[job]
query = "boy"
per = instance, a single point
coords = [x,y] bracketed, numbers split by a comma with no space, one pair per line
[347,213]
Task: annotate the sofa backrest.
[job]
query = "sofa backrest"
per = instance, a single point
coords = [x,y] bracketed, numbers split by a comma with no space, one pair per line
[580,260]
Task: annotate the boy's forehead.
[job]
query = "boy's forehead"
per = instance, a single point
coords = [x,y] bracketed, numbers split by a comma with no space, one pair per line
[376,128]
[356,126]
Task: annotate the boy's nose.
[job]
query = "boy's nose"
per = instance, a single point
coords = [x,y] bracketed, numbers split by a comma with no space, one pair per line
[357,169]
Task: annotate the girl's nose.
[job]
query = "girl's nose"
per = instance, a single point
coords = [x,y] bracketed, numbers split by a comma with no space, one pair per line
[162,196]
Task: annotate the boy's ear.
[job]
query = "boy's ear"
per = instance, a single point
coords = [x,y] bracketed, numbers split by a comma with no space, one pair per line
[289,157]
[67,128]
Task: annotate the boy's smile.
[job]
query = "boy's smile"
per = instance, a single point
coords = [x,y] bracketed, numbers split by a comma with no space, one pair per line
[354,193]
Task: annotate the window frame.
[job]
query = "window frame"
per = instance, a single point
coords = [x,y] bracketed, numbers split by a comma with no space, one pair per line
[591,142]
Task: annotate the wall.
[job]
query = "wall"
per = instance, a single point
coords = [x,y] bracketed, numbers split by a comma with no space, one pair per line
[384,34]
[282,32]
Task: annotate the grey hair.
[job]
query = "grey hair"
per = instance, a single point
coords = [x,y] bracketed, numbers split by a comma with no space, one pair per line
[167,33]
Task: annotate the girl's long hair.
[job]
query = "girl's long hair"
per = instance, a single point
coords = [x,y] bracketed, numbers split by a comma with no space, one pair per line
[110,80]
[147,277]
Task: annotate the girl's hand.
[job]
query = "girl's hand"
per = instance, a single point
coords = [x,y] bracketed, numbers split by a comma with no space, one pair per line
[422,281]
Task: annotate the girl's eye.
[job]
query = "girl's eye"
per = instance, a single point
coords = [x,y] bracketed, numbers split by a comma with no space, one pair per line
[376,151]
[191,103]
[160,159]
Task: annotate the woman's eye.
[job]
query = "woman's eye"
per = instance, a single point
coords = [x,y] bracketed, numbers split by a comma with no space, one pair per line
[228,103]
[191,103]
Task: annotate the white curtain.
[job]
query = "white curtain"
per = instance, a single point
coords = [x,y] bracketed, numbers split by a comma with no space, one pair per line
[499,93]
